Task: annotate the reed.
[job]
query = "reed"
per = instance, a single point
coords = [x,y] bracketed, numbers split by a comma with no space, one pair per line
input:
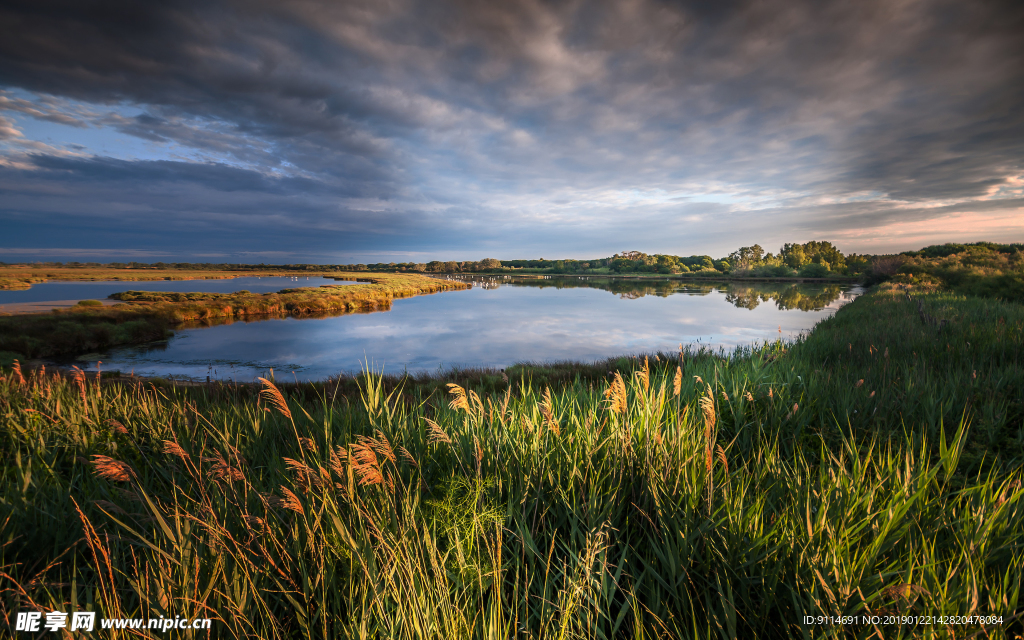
[770,487]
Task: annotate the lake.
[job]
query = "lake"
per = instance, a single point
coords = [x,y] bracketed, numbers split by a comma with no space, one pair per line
[495,324]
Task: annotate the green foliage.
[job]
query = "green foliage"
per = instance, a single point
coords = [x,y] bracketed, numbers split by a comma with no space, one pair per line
[89,303]
[772,271]
[814,270]
[982,269]
[46,335]
[746,258]
[796,256]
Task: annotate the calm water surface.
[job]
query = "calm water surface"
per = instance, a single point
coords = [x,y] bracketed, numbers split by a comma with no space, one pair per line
[47,291]
[495,325]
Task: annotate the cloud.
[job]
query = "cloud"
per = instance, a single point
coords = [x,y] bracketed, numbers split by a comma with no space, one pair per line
[444,128]
[8,130]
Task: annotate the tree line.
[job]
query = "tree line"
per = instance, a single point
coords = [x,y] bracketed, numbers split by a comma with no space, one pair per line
[814,259]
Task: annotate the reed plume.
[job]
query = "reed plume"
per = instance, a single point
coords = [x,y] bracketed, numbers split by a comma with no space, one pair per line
[110,469]
[616,394]
[792,412]
[221,470]
[257,526]
[273,396]
[459,401]
[79,378]
[405,455]
[545,410]
[337,461]
[18,376]
[290,501]
[707,405]
[644,375]
[305,474]
[365,464]
[435,433]
[723,460]
[677,382]
[174,449]
[382,446]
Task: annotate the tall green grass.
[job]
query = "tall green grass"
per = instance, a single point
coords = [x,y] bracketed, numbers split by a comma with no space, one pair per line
[714,495]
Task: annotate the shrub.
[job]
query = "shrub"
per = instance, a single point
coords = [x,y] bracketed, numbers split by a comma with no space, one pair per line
[814,270]
[89,303]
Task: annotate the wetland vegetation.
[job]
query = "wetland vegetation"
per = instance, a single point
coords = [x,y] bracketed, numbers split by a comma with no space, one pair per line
[147,316]
[871,467]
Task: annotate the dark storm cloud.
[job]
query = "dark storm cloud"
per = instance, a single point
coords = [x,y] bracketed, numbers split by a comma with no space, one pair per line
[513,127]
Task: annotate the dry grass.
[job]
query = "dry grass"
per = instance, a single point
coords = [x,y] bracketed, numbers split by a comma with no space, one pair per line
[24,276]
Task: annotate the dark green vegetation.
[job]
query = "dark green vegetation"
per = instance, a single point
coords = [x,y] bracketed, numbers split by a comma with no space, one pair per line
[79,330]
[809,260]
[981,269]
[873,467]
[151,315]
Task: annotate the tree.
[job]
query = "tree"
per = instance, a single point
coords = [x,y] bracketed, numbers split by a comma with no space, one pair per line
[746,258]
[793,255]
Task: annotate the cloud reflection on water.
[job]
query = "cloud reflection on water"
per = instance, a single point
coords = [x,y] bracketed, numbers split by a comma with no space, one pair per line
[492,328]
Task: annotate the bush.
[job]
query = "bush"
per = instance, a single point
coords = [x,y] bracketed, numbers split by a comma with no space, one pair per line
[89,303]
[814,271]
[770,271]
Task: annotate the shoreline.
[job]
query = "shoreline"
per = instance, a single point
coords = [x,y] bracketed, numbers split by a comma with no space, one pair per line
[22,278]
[141,317]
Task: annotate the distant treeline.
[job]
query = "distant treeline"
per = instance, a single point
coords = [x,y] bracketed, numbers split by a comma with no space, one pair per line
[952,265]
[811,259]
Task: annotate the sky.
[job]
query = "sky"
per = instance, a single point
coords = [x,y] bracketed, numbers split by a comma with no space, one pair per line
[342,131]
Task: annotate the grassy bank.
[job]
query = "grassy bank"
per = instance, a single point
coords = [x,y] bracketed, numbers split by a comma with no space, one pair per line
[980,269]
[24,276]
[150,315]
[873,467]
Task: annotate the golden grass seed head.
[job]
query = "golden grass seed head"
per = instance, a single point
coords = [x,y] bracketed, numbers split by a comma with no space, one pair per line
[110,469]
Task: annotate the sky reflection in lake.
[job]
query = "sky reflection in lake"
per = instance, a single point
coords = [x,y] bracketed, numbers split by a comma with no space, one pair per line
[493,327]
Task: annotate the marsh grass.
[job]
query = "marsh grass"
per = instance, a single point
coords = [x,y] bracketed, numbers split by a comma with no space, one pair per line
[702,494]
[152,315]
[24,276]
